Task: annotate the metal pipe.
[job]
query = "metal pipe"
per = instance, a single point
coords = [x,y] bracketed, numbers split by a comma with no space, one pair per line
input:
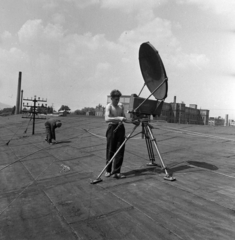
[34,112]
[142,89]
[151,94]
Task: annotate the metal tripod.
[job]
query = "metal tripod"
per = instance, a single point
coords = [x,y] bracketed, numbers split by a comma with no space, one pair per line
[150,141]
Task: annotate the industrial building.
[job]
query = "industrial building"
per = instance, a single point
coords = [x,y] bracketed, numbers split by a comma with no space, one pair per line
[221,121]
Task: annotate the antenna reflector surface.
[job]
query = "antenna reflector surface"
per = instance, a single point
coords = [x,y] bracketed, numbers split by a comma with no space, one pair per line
[153,70]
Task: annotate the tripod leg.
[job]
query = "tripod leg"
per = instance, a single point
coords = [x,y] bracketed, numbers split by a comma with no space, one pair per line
[127,138]
[149,148]
[167,177]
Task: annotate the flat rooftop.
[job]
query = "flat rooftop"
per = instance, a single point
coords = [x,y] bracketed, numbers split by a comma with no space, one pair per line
[45,190]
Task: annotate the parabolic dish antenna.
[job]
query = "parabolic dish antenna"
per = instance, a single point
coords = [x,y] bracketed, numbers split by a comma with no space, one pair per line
[153,70]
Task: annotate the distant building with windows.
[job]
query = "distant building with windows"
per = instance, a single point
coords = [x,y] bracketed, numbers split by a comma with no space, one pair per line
[99,111]
[180,113]
[232,123]
[216,121]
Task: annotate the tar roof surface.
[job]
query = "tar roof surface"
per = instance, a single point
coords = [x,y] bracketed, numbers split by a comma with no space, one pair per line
[45,191]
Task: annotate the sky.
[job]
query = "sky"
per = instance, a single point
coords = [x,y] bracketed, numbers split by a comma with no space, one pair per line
[74,52]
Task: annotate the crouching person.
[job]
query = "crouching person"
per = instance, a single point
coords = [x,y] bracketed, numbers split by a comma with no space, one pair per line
[51,125]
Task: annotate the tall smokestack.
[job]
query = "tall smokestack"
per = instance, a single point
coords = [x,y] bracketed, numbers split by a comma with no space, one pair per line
[174,99]
[18,95]
[21,100]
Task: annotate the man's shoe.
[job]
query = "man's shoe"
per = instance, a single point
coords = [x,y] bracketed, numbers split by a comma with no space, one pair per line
[107,174]
[119,176]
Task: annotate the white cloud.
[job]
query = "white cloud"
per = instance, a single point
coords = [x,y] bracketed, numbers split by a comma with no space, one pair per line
[217,6]
[102,69]
[49,4]
[6,36]
[182,60]
[11,62]
[58,18]
[12,56]
[84,4]
[103,66]
[159,33]
[131,5]
[34,31]
[30,31]
[67,63]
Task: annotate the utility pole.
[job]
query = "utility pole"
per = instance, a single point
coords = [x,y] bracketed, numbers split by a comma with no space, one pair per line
[33,108]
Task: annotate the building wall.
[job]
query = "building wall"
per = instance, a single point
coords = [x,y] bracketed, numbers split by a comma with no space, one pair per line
[205,116]
[232,123]
[179,113]
[99,111]
[216,122]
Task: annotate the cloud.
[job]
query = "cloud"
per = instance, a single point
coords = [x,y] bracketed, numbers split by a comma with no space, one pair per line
[102,67]
[157,30]
[183,60]
[34,31]
[12,61]
[131,5]
[6,36]
[159,33]
[49,4]
[63,64]
[219,7]
[85,4]
[31,30]
[58,18]
[69,61]
[36,38]
[12,57]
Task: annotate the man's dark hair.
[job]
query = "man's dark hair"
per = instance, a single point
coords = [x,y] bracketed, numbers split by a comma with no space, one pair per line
[115,93]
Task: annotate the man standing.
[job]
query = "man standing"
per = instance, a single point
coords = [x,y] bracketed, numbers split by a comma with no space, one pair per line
[115,134]
[51,125]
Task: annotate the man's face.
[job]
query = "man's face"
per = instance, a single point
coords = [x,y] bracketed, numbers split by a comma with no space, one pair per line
[115,99]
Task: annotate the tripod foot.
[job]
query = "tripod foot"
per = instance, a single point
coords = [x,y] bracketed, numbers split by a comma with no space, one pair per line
[152,164]
[169,178]
[96,181]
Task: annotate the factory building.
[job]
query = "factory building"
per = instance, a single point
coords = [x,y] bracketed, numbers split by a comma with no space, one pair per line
[180,113]
[216,121]
[221,121]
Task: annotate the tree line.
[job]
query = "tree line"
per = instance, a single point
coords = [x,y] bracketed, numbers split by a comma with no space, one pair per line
[49,110]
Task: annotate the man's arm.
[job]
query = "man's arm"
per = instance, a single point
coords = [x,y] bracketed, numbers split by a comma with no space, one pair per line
[109,118]
[53,127]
